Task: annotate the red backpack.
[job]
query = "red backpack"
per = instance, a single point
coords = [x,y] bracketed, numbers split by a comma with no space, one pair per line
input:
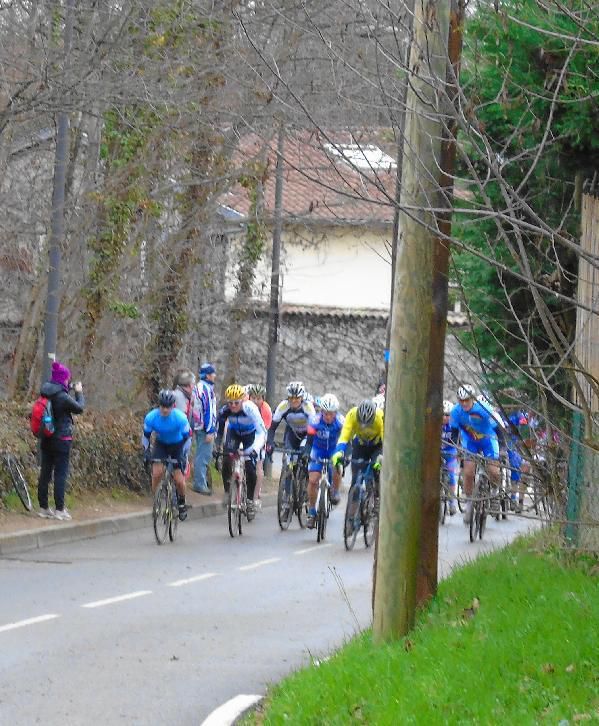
[42,419]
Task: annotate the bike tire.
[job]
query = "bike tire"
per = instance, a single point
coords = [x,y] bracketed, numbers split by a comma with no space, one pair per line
[370,518]
[482,519]
[243,503]
[505,506]
[19,482]
[233,509]
[474,522]
[174,514]
[461,504]
[301,498]
[353,517]
[442,509]
[285,499]
[321,527]
[160,513]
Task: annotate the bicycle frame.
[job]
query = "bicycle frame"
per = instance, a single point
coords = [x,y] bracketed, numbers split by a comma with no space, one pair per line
[165,512]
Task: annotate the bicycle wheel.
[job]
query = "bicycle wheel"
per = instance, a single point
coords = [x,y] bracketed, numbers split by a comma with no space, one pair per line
[301,497]
[285,499]
[322,514]
[173,519]
[160,512]
[233,508]
[459,496]
[474,521]
[243,504]
[19,482]
[370,517]
[482,518]
[353,518]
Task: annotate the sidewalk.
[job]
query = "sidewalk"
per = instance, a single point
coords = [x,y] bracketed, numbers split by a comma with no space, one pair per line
[37,533]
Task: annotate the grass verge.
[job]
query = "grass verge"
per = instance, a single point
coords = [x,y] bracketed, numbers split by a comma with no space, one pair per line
[511,638]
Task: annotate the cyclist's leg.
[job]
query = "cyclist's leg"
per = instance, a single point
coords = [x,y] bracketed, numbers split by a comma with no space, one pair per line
[45,476]
[452,466]
[250,474]
[159,451]
[359,452]
[515,474]
[314,471]
[470,448]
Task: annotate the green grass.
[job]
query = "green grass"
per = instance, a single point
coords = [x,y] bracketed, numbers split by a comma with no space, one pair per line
[526,653]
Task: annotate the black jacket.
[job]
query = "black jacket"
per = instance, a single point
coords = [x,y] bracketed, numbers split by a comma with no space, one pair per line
[63,406]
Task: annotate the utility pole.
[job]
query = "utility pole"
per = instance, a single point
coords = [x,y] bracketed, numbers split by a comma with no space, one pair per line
[61,160]
[274,314]
[401,487]
[429,538]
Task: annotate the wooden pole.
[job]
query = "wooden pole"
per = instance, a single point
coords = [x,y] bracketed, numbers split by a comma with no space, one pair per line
[400,517]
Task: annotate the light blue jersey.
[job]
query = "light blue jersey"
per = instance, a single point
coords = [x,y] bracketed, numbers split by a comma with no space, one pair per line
[171,429]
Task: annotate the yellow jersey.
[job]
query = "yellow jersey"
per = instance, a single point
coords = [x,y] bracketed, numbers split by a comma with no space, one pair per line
[352,428]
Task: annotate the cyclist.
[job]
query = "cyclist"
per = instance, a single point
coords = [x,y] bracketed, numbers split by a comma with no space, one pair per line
[516,420]
[324,429]
[172,439]
[480,433]
[364,429]
[295,411]
[246,428]
[256,393]
[449,457]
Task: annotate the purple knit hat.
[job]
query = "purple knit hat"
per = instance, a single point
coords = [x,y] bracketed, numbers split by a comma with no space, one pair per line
[60,374]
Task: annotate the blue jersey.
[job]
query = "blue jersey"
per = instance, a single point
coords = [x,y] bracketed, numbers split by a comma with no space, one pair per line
[478,423]
[171,429]
[448,448]
[325,435]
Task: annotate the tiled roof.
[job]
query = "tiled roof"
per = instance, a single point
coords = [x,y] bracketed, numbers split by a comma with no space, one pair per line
[318,185]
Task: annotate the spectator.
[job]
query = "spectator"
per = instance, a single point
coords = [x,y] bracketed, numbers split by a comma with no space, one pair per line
[56,449]
[205,426]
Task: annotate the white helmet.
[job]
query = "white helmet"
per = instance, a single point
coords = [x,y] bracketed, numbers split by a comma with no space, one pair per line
[379,401]
[366,412]
[329,402]
[447,406]
[296,389]
[465,392]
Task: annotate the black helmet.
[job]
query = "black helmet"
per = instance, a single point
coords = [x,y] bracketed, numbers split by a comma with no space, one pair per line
[166,398]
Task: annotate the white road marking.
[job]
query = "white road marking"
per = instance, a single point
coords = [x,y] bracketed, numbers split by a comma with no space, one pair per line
[29,621]
[314,548]
[226,714]
[189,580]
[259,564]
[118,598]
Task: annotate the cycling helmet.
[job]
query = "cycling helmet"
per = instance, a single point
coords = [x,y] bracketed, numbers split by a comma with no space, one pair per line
[166,398]
[255,389]
[296,389]
[465,392]
[379,401]
[234,392]
[447,406]
[329,402]
[366,411]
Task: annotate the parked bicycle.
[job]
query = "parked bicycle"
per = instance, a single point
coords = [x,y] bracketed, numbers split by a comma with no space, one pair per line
[293,494]
[165,512]
[18,479]
[362,508]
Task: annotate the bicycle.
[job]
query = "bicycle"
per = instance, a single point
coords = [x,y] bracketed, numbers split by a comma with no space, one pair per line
[237,506]
[18,480]
[323,500]
[165,511]
[292,496]
[361,510]
[445,494]
[481,502]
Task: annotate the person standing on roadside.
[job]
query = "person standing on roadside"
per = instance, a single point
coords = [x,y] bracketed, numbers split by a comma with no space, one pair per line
[205,427]
[56,450]
[185,401]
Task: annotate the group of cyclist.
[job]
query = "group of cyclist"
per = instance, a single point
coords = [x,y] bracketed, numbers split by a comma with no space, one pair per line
[318,431]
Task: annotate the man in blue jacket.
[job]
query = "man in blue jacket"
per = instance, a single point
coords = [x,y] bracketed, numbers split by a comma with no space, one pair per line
[204,426]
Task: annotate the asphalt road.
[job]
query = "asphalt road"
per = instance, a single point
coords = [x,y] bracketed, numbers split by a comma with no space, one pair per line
[120,631]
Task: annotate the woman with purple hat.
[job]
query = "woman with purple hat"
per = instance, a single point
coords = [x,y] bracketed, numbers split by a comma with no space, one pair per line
[57,448]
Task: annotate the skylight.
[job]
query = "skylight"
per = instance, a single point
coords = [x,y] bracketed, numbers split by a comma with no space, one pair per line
[362,156]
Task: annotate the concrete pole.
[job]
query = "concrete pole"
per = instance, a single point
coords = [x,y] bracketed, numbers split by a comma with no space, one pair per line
[401,490]
[61,160]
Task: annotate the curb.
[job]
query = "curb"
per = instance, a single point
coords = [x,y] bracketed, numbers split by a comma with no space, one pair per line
[32,539]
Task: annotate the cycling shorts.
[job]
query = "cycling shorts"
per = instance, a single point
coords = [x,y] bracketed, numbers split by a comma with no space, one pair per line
[172,451]
[291,440]
[515,464]
[316,454]
[234,439]
[487,446]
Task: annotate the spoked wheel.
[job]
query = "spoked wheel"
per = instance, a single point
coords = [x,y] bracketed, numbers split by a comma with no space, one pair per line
[173,518]
[160,513]
[475,521]
[19,482]
[243,504]
[353,519]
[323,512]
[505,505]
[285,499]
[370,517]
[234,508]
[482,518]
[301,498]
[442,508]
[459,496]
